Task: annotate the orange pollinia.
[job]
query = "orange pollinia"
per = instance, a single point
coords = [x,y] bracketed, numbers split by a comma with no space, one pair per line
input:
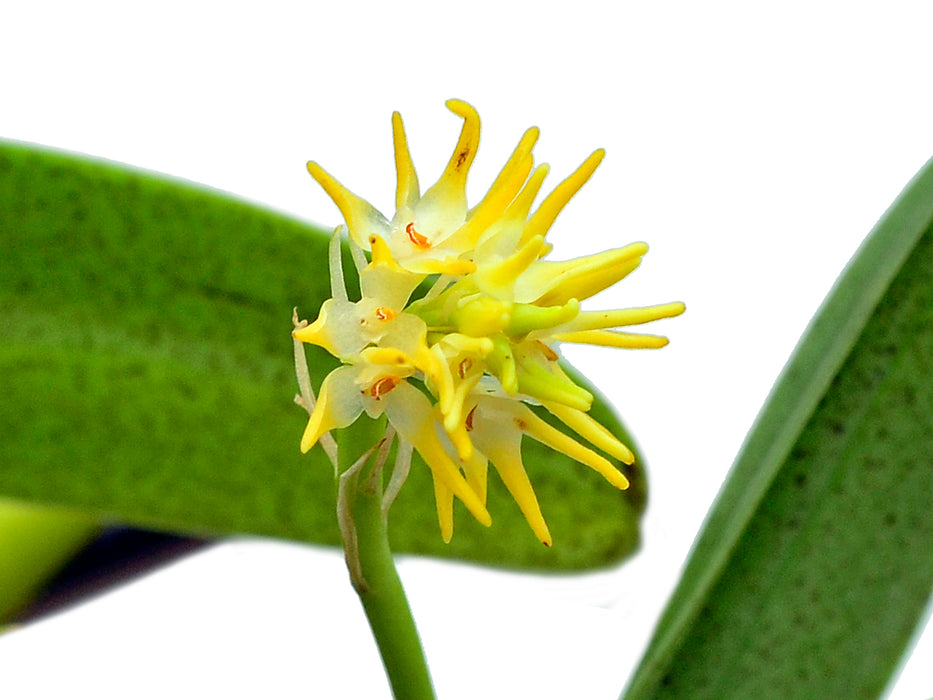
[455,370]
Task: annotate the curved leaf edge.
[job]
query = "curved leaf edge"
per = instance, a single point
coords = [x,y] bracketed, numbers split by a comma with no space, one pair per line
[815,361]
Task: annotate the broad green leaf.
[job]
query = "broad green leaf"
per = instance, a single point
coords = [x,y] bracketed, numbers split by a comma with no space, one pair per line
[816,562]
[147,375]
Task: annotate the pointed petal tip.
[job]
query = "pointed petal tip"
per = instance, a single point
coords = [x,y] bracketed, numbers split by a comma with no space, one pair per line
[483,517]
[528,140]
[307,442]
[398,128]
[542,532]
[308,334]
[461,108]
[313,430]
[619,480]
[324,178]
[301,335]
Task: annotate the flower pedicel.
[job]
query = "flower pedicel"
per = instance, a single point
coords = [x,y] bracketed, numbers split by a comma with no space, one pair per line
[455,370]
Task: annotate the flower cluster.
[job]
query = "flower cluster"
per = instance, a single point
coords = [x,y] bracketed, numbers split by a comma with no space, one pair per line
[455,369]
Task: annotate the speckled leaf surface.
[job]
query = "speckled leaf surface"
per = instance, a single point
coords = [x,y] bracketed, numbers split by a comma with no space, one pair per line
[816,562]
[147,374]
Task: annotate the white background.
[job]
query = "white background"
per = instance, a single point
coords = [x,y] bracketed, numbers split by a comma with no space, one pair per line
[752,148]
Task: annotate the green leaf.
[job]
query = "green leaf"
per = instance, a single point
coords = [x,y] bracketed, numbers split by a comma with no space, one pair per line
[148,377]
[816,562]
[34,542]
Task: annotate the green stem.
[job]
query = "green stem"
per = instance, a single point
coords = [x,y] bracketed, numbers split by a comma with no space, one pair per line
[380,589]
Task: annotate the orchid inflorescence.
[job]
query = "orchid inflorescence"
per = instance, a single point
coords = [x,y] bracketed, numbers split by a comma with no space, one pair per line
[456,369]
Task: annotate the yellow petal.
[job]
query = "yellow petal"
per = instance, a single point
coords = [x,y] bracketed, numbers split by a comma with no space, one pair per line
[315,333]
[444,498]
[381,253]
[548,283]
[407,332]
[406,191]
[460,439]
[498,434]
[521,205]
[455,417]
[344,328]
[434,365]
[540,223]
[462,358]
[391,287]
[510,179]
[336,329]
[434,264]
[502,364]
[460,343]
[506,186]
[597,320]
[555,439]
[338,405]
[459,165]
[589,428]
[442,209]
[614,339]
[362,218]
[456,412]
[504,236]
[390,357]
[476,469]
[509,465]
[498,279]
[384,279]
[411,415]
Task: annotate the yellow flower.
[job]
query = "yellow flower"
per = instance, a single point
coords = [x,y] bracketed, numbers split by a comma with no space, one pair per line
[454,370]
[381,348]
[420,235]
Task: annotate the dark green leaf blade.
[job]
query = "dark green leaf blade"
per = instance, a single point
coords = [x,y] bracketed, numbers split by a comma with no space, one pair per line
[146,367]
[816,563]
